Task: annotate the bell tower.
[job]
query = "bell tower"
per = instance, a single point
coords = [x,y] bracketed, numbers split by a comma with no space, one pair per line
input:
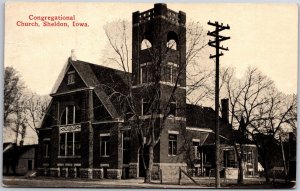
[159,81]
[158,34]
[159,51]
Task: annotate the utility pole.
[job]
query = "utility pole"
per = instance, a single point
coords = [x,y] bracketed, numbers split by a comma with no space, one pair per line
[216,44]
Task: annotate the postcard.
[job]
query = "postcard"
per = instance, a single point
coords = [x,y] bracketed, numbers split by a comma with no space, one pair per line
[150,95]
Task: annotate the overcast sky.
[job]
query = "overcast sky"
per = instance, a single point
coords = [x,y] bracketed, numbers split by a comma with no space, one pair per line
[262,35]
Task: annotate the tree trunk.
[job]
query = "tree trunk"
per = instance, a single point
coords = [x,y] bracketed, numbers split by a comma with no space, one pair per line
[241,171]
[149,169]
[266,169]
[283,159]
[147,176]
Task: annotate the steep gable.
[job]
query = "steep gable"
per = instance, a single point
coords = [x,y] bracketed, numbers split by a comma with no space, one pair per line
[66,86]
[88,75]
[104,81]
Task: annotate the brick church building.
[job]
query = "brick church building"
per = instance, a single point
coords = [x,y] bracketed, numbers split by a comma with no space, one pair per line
[88,132]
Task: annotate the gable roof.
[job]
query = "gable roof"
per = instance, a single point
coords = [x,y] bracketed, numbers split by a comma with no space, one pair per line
[96,76]
[13,149]
[204,118]
[198,116]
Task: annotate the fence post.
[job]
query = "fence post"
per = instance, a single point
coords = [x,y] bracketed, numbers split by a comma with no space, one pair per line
[179,176]
[161,178]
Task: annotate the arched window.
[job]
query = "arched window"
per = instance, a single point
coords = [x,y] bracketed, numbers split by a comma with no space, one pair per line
[172,40]
[71,115]
[146,44]
[172,44]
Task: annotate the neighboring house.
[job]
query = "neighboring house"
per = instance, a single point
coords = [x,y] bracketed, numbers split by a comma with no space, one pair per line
[270,146]
[203,118]
[85,132]
[18,160]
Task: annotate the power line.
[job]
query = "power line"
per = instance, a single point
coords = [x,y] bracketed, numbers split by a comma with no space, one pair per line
[216,44]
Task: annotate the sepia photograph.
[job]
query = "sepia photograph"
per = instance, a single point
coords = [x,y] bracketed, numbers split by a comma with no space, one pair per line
[150,95]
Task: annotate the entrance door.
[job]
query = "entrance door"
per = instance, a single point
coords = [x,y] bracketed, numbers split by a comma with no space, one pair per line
[142,171]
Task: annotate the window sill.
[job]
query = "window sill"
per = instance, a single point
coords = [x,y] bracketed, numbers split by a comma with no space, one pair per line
[105,156]
[68,157]
[171,116]
[169,83]
[172,155]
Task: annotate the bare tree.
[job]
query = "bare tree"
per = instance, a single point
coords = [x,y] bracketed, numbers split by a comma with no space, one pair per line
[13,88]
[199,82]
[35,107]
[22,108]
[273,119]
[246,97]
[291,116]
[14,113]
[20,120]
[119,42]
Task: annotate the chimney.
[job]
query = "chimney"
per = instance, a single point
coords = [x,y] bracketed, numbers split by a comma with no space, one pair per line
[225,109]
[73,55]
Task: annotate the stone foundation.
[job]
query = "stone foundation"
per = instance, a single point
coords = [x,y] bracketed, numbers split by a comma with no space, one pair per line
[133,170]
[86,173]
[155,174]
[98,173]
[114,173]
[72,172]
[64,172]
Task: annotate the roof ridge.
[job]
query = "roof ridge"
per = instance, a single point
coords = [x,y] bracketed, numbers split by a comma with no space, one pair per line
[99,65]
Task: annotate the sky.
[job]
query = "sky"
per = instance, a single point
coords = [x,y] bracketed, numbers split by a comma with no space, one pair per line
[262,35]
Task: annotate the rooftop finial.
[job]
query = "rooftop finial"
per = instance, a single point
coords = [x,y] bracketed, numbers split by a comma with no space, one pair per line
[73,55]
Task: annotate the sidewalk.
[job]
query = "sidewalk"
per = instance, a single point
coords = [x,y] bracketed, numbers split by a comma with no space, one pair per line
[204,182]
[77,183]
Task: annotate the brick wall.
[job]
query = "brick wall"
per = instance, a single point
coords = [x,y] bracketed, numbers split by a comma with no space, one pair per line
[46,133]
[112,160]
[158,38]
[170,126]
